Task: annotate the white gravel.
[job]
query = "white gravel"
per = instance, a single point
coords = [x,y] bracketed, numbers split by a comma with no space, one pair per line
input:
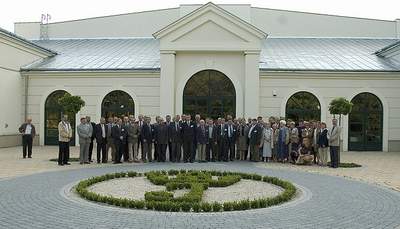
[244,189]
[135,188]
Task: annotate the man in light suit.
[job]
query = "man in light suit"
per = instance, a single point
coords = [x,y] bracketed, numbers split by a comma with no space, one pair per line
[334,143]
[110,141]
[85,132]
[64,137]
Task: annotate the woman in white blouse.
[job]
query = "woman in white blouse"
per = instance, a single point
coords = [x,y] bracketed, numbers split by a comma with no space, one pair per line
[267,142]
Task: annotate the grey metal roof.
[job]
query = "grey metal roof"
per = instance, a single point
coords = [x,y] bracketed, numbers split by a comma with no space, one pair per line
[100,54]
[281,54]
[325,54]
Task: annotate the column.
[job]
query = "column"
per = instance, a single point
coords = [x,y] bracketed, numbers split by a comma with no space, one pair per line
[167,83]
[252,84]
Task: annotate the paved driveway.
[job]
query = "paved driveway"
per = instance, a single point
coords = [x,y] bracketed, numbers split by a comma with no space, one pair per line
[41,201]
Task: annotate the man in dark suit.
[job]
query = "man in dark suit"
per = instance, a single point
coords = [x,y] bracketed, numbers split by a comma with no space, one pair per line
[168,123]
[146,133]
[212,144]
[255,132]
[188,131]
[221,138]
[126,124]
[161,138]
[140,141]
[175,138]
[92,138]
[119,135]
[28,132]
[153,129]
[230,140]
[101,132]
[202,140]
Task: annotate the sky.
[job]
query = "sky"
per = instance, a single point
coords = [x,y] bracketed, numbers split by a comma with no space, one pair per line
[61,10]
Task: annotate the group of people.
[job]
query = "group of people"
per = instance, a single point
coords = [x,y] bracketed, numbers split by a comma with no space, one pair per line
[204,140]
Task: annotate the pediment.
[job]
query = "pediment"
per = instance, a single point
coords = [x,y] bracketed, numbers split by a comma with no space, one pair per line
[210,32]
[210,28]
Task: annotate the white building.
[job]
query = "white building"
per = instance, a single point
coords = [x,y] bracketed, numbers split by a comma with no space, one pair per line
[208,59]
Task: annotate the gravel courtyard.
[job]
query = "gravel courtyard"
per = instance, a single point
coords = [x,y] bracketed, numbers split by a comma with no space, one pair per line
[33,198]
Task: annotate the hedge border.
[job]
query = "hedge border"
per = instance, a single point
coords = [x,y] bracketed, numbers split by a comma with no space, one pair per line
[172,206]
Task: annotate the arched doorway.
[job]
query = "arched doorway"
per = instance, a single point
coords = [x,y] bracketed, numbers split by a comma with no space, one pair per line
[303,106]
[52,116]
[366,123]
[209,93]
[117,103]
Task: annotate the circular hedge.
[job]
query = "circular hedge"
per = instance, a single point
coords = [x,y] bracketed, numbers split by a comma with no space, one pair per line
[196,181]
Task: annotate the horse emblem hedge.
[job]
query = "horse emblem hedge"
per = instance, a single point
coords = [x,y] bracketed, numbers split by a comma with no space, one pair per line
[196,182]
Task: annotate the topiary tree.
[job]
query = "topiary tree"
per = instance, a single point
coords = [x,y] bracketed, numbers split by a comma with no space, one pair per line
[340,106]
[71,104]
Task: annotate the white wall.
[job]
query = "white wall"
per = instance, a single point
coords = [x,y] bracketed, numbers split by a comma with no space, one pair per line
[272,21]
[329,86]
[93,87]
[289,23]
[12,57]
[140,24]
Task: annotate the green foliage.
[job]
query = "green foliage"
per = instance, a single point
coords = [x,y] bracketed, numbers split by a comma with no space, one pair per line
[196,181]
[71,104]
[340,106]
[216,207]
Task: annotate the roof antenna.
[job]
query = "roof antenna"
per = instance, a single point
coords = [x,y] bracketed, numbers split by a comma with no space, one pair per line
[44,30]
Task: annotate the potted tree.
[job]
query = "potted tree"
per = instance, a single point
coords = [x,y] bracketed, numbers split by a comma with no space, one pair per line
[71,104]
[340,106]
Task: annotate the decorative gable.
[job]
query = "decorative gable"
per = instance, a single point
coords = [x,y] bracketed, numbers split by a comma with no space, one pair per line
[210,28]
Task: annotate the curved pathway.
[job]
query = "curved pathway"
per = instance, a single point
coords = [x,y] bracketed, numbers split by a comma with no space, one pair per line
[40,201]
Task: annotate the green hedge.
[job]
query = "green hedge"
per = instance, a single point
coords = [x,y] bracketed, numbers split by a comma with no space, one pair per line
[195,180]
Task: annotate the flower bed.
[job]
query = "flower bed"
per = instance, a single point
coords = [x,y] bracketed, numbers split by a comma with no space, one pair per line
[194,180]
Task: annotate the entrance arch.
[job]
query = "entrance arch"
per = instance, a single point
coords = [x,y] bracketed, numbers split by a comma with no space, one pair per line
[303,105]
[209,93]
[52,116]
[366,123]
[117,103]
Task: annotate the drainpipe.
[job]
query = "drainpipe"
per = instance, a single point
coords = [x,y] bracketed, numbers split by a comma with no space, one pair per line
[26,97]
[398,27]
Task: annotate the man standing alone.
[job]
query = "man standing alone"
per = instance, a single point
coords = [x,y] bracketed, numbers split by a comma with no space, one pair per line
[64,137]
[28,133]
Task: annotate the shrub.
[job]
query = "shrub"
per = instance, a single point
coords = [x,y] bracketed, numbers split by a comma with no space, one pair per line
[186,206]
[206,207]
[158,196]
[132,174]
[196,181]
[196,207]
[216,207]
[228,206]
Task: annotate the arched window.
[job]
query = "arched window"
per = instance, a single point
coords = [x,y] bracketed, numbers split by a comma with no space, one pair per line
[209,93]
[117,103]
[303,106]
[52,115]
[366,123]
